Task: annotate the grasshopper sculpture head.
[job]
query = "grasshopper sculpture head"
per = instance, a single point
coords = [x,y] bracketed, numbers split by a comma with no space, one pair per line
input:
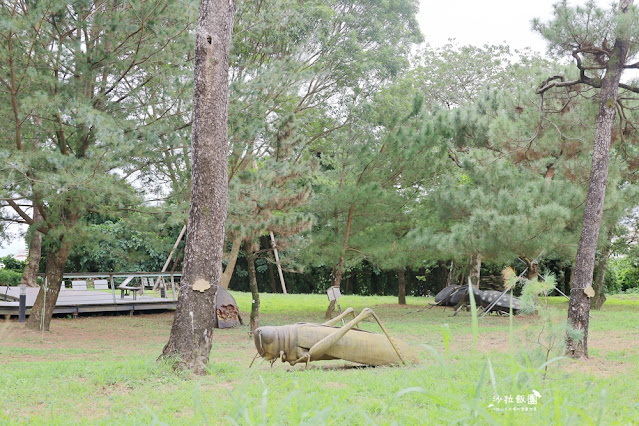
[275,342]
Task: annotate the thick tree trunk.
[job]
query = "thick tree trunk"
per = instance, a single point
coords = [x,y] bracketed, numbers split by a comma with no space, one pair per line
[401,281]
[474,269]
[230,264]
[600,274]
[35,251]
[42,310]
[252,273]
[192,331]
[579,307]
[339,270]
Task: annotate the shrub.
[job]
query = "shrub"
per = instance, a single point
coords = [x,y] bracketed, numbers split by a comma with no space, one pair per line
[10,278]
[622,275]
[13,264]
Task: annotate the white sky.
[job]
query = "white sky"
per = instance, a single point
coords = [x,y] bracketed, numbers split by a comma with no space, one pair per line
[487,22]
[468,22]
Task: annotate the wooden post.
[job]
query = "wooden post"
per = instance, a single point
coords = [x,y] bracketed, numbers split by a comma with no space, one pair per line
[168,260]
[22,314]
[113,289]
[277,262]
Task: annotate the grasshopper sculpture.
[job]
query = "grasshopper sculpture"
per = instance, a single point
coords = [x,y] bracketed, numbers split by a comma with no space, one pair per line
[306,342]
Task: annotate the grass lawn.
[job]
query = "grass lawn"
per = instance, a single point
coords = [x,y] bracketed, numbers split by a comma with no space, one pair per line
[102,370]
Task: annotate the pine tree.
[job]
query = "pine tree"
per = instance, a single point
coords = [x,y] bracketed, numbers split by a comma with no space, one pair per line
[78,81]
[602,44]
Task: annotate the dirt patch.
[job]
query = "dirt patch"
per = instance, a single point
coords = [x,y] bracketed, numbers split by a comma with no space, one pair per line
[89,335]
[613,341]
[116,389]
[598,367]
[604,342]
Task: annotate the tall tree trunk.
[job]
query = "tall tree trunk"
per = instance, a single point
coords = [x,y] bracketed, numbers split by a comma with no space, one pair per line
[401,281]
[579,307]
[230,264]
[451,274]
[192,331]
[42,310]
[374,282]
[35,251]
[474,269]
[339,271]
[280,274]
[348,285]
[600,274]
[255,305]
[271,277]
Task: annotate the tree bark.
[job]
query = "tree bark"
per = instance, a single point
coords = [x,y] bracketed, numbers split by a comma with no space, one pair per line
[255,294]
[230,264]
[600,274]
[355,283]
[35,252]
[192,331]
[271,277]
[280,274]
[579,307]
[401,281]
[339,271]
[374,283]
[42,310]
[451,274]
[474,270]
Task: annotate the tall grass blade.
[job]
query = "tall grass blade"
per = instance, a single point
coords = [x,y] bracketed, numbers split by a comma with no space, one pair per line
[493,381]
[446,336]
[473,312]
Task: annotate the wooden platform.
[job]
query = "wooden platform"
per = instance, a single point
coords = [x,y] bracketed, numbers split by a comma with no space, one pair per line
[84,301]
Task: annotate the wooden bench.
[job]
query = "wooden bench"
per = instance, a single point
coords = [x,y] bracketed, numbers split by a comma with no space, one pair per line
[124,288]
[124,291]
[100,284]
[79,285]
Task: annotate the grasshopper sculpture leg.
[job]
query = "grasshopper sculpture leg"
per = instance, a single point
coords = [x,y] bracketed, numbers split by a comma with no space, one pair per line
[306,342]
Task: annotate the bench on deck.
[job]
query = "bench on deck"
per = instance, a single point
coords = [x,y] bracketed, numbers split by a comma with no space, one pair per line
[125,288]
[100,284]
[79,285]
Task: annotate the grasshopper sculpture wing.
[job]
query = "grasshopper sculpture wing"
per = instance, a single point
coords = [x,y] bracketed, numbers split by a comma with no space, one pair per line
[306,342]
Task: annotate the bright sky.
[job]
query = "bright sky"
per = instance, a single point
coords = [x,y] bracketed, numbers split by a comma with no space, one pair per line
[487,22]
[17,244]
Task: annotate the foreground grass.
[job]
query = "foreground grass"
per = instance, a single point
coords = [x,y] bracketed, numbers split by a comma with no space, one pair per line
[102,370]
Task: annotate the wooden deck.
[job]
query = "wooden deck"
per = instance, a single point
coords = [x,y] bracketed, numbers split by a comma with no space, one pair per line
[84,301]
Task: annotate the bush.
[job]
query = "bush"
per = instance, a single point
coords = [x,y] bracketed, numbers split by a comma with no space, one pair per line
[10,278]
[622,275]
[13,264]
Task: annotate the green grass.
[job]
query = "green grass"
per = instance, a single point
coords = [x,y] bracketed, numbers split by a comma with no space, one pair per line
[103,370]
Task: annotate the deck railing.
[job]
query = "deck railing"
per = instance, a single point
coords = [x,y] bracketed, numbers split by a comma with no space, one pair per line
[111,276]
